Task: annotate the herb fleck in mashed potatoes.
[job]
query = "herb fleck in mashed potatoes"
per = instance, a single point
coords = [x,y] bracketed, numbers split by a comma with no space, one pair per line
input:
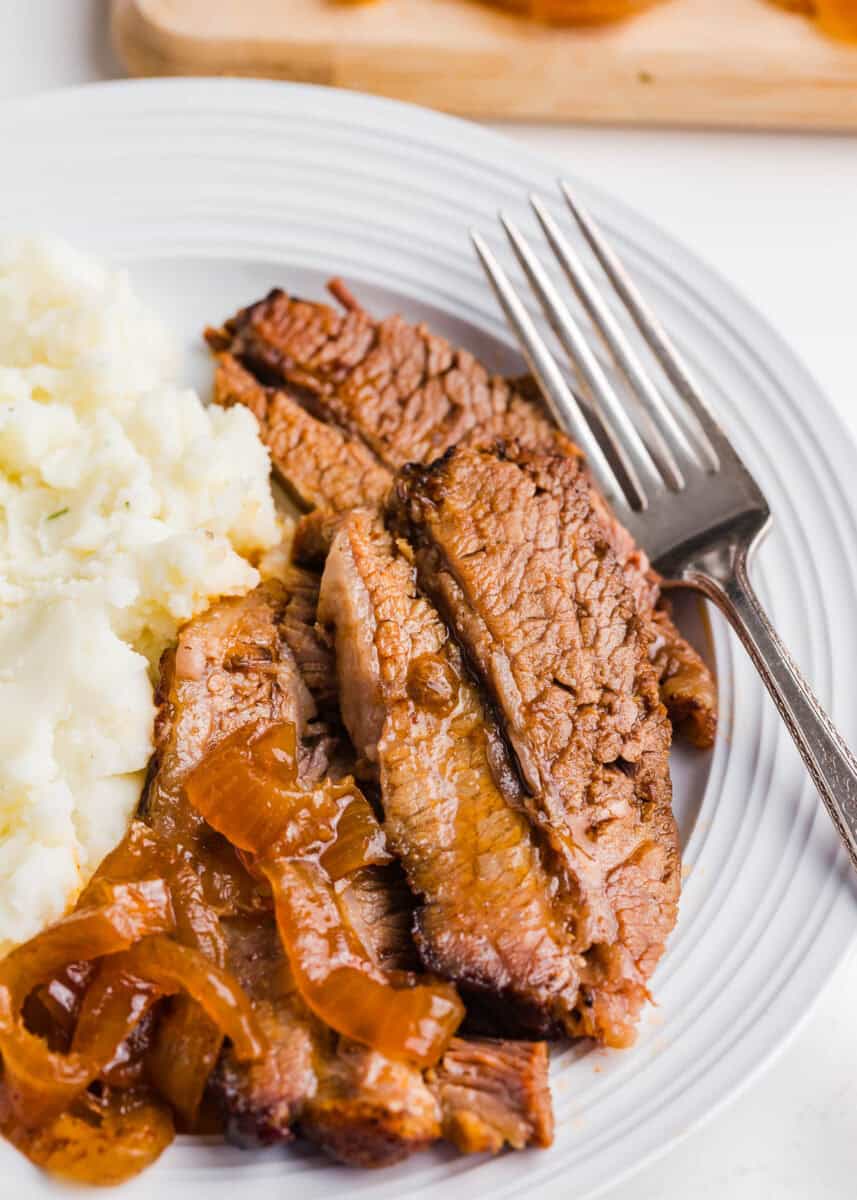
[126,506]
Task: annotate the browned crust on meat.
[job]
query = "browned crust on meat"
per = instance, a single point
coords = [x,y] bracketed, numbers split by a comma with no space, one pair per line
[508,545]
[370,1111]
[489,916]
[260,1101]
[404,391]
[409,396]
[234,665]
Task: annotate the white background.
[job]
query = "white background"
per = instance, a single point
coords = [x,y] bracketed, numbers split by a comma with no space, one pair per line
[776,214]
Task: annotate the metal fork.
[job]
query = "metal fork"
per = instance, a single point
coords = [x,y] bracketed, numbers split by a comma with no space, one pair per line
[683,492]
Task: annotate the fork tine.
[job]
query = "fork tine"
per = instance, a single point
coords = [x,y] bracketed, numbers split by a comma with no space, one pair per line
[715,442]
[564,407]
[625,442]
[661,427]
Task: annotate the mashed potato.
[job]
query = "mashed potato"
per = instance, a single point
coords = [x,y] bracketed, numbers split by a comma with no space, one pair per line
[126,506]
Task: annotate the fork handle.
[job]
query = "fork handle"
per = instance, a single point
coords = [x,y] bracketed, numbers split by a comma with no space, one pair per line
[723,577]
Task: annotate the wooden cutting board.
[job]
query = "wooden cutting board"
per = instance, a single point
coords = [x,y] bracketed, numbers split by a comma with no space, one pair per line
[687,62]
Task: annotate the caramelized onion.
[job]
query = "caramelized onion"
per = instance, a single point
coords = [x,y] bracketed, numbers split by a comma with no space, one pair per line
[114,1004]
[173,968]
[143,854]
[41,1082]
[227,888]
[246,789]
[120,914]
[387,1011]
[217,877]
[100,1140]
[52,1010]
[116,915]
[184,1050]
[128,1067]
[140,855]
[186,1043]
[303,841]
[359,841]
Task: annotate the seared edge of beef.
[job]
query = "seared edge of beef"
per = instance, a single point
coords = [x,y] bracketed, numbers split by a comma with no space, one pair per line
[370,1111]
[410,396]
[507,543]
[489,914]
[232,666]
[260,1101]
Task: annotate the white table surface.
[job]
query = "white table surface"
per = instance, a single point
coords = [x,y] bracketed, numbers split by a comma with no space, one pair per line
[777,215]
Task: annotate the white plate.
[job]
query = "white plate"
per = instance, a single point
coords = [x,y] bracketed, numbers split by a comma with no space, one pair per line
[212,191]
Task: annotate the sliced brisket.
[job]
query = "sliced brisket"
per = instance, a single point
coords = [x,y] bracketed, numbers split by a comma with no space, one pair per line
[232,666]
[262,1100]
[489,917]
[388,393]
[404,392]
[508,545]
[688,689]
[313,655]
[229,667]
[318,465]
[370,1111]
[362,1108]
[493,1093]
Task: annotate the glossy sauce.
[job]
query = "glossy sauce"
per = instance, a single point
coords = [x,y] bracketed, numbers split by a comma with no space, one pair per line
[303,841]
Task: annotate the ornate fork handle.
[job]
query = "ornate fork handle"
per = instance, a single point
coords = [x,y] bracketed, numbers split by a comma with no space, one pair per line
[723,577]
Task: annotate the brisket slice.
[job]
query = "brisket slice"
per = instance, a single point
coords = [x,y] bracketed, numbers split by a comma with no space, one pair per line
[370,1111]
[388,393]
[490,916]
[360,1107]
[509,547]
[484,1094]
[401,390]
[262,1100]
[687,687]
[229,667]
[494,1092]
[319,466]
[233,666]
[313,655]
